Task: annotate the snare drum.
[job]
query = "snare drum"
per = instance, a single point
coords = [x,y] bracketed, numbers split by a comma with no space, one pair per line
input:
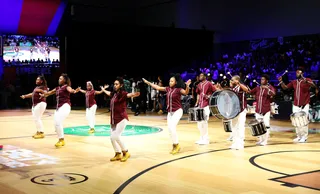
[196,114]
[299,119]
[257,127]
[227,126]
[224,104]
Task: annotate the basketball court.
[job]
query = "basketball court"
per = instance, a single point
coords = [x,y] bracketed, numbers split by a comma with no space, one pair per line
[30,165]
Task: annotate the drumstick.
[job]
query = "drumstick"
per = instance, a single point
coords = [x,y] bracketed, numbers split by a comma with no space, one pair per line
[247,76]
[286,71]
[255,81]
[229,73]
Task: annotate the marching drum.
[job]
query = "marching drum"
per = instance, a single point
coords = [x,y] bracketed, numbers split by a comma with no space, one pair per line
[274,108]
[257,127]
[251,109]
[227,126]
[196,114]
[224,104]
[299,119]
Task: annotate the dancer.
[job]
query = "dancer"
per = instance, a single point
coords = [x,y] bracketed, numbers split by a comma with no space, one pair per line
[38,104]
[63,105]
[238,127]
[91,105]
[301,88]
[263,94]
[174,106]
[204,90]
[119,117]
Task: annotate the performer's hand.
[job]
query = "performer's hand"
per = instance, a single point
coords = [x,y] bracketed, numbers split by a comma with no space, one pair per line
[102,88]
[144,80]
[188,82]
[265,87]
[77,90]
[280,79]
[23,97]
[106,86]
[41,95]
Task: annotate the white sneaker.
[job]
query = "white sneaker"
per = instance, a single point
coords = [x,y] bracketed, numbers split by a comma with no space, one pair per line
[198,141]
[230,138]
[204,142]
[303,140]
[296,140]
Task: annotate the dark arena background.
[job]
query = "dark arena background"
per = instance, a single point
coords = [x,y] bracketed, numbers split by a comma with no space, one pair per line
[99,40]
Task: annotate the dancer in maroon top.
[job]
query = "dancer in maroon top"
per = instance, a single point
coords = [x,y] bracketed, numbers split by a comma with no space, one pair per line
[238,128]
[204,90]
[91,105]
[38,104]
[63,105]
[174,107]
[119,118]
[263,94]
[301,87]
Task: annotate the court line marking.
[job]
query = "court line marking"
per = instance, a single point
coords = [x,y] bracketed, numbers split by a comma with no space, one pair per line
[252,159]
[127,182]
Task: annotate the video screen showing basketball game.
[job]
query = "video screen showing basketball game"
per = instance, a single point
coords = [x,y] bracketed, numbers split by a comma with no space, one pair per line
[43,49]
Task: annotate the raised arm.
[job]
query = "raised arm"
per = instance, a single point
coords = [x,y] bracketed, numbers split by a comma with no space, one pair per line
[26,96]
[154,85]
[186,91]
[105,91]
[244,87]
[100,92]
[283,85]
[72,91]
[310,82]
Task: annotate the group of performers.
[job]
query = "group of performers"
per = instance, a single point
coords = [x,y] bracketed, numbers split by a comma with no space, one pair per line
[264,93]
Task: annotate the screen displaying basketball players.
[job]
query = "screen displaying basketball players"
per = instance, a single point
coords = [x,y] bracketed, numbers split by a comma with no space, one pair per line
[40,49]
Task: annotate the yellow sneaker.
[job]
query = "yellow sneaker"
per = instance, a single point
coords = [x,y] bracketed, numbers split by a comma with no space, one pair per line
[38,135]
[176,148]
[116,157]
[125,157]
[91,130]
[60,143]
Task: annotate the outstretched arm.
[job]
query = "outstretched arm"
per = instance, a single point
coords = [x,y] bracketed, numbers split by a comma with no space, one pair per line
[133,95]
[46,94]
[72,91]
[26,96]
[82,91]
[100,92]
[154,85]
[244,87]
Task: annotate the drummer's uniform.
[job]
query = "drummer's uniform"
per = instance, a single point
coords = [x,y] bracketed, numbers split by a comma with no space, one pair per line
[263,99]
[204,90]
[238,123]
[301,103]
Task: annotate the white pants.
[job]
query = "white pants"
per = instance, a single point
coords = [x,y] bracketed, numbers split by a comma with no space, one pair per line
[238,128]
[203,125]
[59,116]
[37,112]
[116,131]
[91,115]
[173,119]
[302,132]
[266,119]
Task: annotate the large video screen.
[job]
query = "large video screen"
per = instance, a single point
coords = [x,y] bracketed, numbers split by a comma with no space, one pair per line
[40,49]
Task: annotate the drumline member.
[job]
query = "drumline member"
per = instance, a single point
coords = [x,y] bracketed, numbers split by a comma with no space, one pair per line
[119,118]
[174,106]
[63,105]
[238,127]
[204,90]
[91,105]
[38,104]
[263,94]
[301,88]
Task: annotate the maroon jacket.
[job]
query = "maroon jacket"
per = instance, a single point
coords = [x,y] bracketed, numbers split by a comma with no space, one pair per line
[173,99]
[36,96]
[263,98]
[62,96]
[205,89]
[118,107]
[301,91]
[242,97]
[90,98]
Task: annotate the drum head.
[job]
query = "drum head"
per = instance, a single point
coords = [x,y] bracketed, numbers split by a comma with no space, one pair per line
[227,102]
[299,114]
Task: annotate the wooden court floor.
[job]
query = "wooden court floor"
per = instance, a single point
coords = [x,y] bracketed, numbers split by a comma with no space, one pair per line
[35,166]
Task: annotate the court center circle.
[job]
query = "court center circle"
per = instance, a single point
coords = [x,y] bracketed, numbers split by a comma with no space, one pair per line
[104,130]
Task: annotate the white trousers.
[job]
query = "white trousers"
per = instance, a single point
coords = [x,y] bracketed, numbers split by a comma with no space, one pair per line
[266,119]
[238,128]
[302,132]
[59,116]
[116,131]
[37,112]
[203,125]
[91,115]
[173,119]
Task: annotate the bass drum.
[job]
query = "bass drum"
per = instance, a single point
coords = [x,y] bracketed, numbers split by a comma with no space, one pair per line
[225,104]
